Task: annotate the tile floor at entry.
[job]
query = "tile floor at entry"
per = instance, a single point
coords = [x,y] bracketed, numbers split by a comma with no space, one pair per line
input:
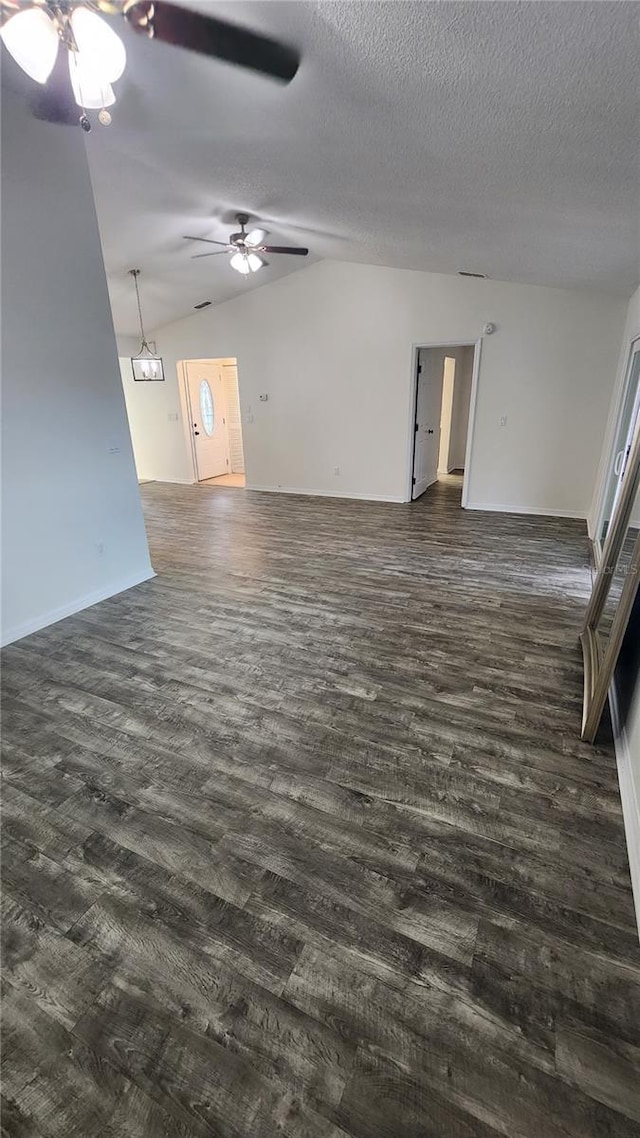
[299,838]
[236,480]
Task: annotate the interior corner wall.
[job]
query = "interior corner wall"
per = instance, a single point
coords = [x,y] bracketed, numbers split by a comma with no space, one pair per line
[155,422]
[332,346]
[72,525]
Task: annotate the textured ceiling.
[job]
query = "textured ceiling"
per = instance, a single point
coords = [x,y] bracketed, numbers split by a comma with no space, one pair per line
[494,137]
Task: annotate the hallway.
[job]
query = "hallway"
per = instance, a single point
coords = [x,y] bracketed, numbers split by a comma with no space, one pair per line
[300,838]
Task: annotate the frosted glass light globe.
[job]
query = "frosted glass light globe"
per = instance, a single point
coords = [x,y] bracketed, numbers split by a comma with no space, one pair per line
[240,262]
[98,45]
[31,38]
[90,89]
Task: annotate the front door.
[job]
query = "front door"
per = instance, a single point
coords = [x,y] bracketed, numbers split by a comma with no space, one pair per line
[208,418]
[427,424]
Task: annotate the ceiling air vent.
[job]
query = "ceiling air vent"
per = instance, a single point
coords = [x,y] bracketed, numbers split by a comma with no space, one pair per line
[203,304]
[478,276]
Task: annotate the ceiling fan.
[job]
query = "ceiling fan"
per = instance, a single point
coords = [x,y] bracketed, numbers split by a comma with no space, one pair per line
[246,247]
[33,31]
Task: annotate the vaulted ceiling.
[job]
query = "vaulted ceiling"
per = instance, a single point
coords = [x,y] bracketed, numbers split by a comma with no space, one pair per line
[500,138]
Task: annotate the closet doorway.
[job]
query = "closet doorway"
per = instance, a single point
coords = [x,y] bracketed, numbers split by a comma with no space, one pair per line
[212,412]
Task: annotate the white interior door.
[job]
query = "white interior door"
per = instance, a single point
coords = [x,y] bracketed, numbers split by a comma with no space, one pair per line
[427,424]
[208,417]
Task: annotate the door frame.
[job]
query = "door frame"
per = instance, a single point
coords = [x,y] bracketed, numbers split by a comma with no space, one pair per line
[416,348]
[632,346]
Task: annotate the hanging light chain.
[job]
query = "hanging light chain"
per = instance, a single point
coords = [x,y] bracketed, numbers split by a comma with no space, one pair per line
[135,273]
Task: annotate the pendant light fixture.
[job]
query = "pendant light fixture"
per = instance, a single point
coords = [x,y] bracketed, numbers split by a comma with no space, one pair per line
[146,365]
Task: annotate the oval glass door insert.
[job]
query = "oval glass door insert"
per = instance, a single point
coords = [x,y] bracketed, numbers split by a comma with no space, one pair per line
[206,407]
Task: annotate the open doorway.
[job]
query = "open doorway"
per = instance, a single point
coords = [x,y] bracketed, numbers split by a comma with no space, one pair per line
[445,383]
[212,412]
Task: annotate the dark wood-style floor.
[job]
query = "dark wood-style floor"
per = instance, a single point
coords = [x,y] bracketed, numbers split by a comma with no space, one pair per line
[299,838]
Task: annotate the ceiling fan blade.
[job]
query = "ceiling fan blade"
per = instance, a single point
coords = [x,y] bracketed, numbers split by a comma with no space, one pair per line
[208,240]
[256,237]
[214,253]
[209,36]
[284,249]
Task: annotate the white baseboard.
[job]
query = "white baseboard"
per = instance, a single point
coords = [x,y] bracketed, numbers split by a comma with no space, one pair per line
[538,511]
[54,615]
[327,493]
[489,506]
[630,797]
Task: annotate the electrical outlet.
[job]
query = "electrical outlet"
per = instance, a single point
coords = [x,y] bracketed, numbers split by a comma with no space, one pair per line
[173,416]
[336,470]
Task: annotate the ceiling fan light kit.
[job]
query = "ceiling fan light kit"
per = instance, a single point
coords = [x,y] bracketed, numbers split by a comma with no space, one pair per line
[246,248]
[246,263]
[34,30]
[96,55]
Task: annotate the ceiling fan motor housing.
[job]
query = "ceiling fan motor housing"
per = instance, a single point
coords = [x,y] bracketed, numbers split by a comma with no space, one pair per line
[239,238]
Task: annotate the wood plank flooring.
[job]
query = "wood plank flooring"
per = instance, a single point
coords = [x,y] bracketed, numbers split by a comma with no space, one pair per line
[299,838]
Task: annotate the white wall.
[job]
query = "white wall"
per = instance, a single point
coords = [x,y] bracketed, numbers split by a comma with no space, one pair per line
[72,527]
[155,422]
[332,347]
[128,345]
